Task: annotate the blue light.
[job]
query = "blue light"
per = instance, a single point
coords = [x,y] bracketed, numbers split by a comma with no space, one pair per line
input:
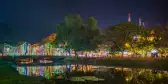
[69,66]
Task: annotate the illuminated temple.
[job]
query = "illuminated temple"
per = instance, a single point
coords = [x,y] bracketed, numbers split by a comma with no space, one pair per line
[47,49]
[26,49]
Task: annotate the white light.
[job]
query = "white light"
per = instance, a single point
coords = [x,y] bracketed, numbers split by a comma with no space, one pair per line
[125,52]
[134,37]
[154,51]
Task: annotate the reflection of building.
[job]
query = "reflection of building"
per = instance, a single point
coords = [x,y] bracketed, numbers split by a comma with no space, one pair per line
[54,71]
[83,68]
[131,74]
[58,71]
[45,71]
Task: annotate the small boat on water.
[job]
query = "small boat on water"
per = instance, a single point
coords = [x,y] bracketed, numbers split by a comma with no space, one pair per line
[24,61]
[45,60]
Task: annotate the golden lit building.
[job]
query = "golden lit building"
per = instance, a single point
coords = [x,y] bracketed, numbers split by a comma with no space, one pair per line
[51,38]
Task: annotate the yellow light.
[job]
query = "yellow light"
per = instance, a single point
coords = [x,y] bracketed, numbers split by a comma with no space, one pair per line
[139,36]
[127,45]
[150,38]
[127,79]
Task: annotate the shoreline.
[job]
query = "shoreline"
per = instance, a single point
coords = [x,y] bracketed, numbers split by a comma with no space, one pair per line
[132,63]
[156,63]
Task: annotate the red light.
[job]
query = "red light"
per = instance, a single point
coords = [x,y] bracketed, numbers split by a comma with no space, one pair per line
[129,14]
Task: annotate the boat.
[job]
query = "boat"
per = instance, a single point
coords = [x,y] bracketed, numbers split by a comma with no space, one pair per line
[45,60]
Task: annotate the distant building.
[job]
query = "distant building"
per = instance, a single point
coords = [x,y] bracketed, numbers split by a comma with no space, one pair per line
[129,17]
[51,38]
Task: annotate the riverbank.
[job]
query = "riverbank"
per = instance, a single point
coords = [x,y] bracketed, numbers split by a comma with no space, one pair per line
[155,63]
[9,75]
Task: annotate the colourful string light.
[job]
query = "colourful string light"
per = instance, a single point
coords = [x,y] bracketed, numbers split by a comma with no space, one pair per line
[47,49]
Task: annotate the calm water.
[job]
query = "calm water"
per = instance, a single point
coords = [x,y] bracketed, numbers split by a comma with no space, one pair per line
[90,74]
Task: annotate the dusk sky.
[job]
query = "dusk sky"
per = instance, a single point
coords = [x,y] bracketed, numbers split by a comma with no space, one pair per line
[31,20]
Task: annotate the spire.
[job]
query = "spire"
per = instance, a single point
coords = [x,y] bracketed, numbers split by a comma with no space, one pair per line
[129,17]
[140,23]
[143,24]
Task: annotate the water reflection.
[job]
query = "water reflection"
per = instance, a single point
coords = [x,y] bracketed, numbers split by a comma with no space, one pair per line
[45,71]
[118,75]
[51,71]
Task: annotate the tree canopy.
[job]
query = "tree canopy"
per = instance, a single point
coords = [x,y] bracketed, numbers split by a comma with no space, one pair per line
[78,35]
[121,33]
[163,42]
[51,38]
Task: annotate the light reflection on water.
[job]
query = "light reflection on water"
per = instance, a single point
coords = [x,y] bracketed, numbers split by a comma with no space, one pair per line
[50,71]
[123,75]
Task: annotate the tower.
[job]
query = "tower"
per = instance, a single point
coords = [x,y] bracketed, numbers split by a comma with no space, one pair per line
[143,24]
[140,23]
[129,17]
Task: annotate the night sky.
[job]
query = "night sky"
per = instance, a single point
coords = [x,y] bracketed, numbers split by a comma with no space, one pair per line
[31,20]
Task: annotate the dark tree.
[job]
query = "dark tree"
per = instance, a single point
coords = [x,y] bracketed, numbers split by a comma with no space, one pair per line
[121,34]
[78,35]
